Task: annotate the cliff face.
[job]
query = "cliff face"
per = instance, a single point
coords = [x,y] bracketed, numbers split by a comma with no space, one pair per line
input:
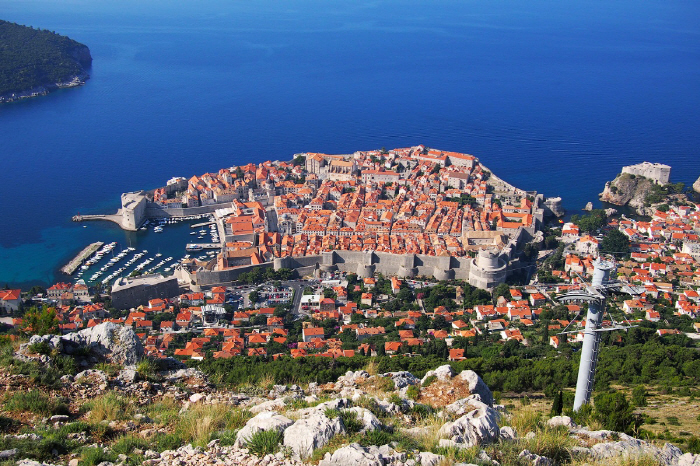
[628,190]
[81,54]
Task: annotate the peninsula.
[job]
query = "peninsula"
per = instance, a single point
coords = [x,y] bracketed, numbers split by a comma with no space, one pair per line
[34,62]
[407,212]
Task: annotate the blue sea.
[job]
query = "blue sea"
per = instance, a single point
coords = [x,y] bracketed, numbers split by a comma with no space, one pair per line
[552,96]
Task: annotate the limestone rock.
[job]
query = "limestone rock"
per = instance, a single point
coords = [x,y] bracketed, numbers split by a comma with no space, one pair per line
[588,207]
[402,379]
[270,405]
[8,454]
[443,373]
[535,460]
[117,343]
[696,185]
[630,190]
[562,421]
[351,454]
[477,386]
[689,460]
[267,420]
[128,375]
[477,427]
[429,459]
[308,434]
[464,405]
[508,433]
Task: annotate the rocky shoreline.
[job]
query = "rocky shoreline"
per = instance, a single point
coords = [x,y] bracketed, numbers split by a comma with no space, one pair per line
[73,81]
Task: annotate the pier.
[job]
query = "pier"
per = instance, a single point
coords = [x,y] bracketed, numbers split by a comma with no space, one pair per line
[80,258]
[196,246]
[197,225]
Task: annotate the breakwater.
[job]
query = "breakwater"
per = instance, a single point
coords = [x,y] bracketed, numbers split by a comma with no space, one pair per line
[80,258]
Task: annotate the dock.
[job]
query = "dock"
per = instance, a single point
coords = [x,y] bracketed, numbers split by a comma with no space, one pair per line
[203,245]
[80,258]
[197,225]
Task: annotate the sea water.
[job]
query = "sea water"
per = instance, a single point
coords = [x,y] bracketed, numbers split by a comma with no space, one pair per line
[552,96]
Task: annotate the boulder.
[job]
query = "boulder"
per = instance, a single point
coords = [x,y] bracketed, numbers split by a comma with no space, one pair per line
[270,405]
[402,379]
[425,458]
[696,185]
[308,434]
[477,386]
[128,376]
[267,420]
[565,421]
[634,448]
[477,427]
[535,460]
[508,433]
[117,343]
[351,454]
[443,373]
[351,378]
[464,405]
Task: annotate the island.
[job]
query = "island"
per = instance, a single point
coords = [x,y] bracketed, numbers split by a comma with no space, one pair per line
[34,62]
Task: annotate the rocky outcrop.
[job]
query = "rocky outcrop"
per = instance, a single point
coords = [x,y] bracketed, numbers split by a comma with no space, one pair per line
[696,185]
[268,420]
[115,343]
[478,427]
[628,190]
[477,386]
[308,434]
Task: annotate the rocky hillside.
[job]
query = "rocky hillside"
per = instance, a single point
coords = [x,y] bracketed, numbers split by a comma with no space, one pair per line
[629,190]
[168,415]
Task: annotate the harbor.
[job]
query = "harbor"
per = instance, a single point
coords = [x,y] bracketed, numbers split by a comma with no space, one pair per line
[81,257]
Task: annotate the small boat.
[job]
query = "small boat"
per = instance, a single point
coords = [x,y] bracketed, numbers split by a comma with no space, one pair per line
[158,229]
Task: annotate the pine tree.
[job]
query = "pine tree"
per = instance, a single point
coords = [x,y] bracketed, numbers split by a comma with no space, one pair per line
[558,404]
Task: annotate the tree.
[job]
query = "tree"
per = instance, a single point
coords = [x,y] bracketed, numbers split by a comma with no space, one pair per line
[41,321]
[253,296]
[558,404]
[615,413]
[615,242]
[502,290]
[639,396]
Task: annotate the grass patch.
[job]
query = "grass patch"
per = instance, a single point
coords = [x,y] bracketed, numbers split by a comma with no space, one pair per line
[43,449]
[35,402]
[202,423]
[428,380]
[164,412]
[264,442]
[109,407]
[336,442]
[413,392]
[147,369]
[108,368]
[352,425]
[92,456]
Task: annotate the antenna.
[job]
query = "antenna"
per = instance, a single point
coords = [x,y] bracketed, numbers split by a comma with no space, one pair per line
[595,295]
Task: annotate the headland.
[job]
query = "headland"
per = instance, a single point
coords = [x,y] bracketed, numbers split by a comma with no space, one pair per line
[34,62]
[407,212]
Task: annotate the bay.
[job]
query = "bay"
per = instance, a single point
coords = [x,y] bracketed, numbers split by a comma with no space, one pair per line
[552,96]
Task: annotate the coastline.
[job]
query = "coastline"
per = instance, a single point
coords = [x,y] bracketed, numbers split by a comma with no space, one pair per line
[73,81]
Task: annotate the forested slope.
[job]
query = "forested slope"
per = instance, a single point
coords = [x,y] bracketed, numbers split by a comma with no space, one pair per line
[32,58]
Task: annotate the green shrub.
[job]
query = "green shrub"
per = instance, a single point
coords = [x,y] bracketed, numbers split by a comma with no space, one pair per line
[35,402]
[126,444]
[264,442]
[92,456]
[694,445]
[385,384]
[615,413]
[164,442]
[147,369]
[639,396]
[673,420]
[41,347]
[350,421]
[413,392]
[428,380]
[376,437]
[396,399]
[331,413]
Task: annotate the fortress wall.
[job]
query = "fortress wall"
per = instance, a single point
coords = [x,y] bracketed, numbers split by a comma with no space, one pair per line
[155,211]
[219,277]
